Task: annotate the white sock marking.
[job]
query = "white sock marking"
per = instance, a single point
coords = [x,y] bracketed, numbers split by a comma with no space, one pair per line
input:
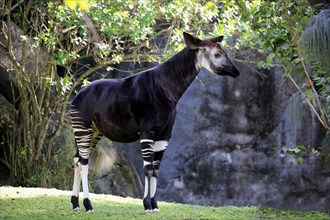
[153,186]
[77,178]
[84,178]
[146,187]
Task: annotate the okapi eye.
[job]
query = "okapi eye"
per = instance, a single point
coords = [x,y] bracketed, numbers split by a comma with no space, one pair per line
[217,55]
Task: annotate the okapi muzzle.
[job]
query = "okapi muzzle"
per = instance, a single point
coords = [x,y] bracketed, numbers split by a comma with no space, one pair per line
[229,70]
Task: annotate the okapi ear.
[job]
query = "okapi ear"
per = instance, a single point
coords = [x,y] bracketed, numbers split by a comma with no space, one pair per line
[217,39]
[191,41]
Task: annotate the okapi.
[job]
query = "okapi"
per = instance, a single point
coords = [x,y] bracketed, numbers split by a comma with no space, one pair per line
[140,107]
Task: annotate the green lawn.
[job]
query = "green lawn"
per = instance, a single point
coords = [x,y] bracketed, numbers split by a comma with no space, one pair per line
[32,203]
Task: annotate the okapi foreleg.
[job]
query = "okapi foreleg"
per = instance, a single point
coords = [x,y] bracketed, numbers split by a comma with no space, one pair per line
[147,148]
[159,149]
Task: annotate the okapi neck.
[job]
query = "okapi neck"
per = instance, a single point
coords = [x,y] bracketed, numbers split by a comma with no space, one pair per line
[179,72]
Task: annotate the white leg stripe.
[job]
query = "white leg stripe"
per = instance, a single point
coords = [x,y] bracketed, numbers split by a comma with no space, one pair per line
[146,140]
[146,187]
[145,163]
[84,177]
[153,186]
[77,178]
[83,129]
[160,145]
[147,152]
[75,117]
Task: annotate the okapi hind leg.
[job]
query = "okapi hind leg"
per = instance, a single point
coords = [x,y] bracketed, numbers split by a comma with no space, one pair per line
[76,184]
[86,140]
[83,138]
[159,149]
[84,178]
[95,137]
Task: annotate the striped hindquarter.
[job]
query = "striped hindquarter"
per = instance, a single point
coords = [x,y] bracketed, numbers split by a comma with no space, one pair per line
[86,136]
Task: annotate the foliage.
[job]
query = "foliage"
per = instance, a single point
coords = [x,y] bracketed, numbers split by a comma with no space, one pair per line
[315,39]
[325,148]
[39,97]
[276,29]
[315,48]
[291,35]
[300,152]
[19,207]
[116,31]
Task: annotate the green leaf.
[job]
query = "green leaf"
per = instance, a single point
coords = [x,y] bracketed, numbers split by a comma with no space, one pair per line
[302,149]
[287,72]
[85,83]
[270,58]
[300,160]
[293,151]
[309,95]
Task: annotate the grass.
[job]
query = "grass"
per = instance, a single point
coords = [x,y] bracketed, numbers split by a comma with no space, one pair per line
[37,203]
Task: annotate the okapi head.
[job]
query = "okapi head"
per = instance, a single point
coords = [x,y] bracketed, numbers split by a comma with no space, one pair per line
[211,56]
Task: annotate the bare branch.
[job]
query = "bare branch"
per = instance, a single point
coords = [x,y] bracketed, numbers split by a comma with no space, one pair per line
[309,104]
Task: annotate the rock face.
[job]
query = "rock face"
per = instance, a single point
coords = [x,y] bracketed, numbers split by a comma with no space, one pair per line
[229,145]
[112,172]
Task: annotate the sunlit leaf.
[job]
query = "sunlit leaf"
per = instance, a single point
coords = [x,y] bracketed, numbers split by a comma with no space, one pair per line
[74,4]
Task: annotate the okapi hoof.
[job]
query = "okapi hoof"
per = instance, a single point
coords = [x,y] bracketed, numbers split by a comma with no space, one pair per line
[147,211]
[154,205]
[76,209]
[88,205]
[75,203]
